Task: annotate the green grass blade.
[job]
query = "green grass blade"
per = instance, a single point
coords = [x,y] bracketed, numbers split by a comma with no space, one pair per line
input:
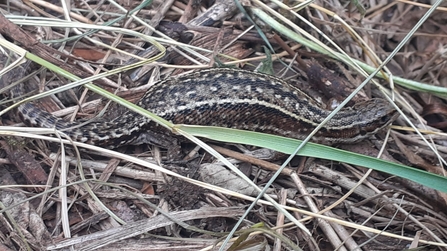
[286,145]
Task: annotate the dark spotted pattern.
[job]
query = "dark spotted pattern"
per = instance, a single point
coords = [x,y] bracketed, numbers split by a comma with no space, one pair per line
[227,98]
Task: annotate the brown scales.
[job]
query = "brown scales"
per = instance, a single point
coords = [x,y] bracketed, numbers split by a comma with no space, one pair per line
[228,98]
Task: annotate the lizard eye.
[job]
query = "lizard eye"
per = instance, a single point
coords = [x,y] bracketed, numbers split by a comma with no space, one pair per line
[363,132]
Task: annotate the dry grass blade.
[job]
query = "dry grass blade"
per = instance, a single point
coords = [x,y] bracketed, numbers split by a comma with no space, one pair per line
[59,194]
